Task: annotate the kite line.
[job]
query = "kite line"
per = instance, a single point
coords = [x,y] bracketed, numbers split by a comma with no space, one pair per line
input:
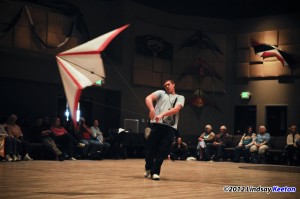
[132,91]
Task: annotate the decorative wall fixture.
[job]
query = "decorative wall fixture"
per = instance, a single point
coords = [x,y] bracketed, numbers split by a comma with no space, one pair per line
[266,51]
[282,61]
[38,28]
[194,59]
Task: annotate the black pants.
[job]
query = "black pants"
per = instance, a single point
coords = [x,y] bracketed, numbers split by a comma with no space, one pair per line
[158,146]
[22,147]
[215,150]
[241,150]
[10,145]
[67,142]
[291,150]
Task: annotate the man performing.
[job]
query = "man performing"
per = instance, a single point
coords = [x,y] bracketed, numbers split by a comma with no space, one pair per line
[164,119]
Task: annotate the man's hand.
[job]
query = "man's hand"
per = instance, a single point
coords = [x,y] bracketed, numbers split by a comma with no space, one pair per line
[152,114]
[158,117]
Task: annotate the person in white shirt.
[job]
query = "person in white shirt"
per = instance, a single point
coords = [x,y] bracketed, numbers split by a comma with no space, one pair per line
[98,135]
[292,147]
[164,118]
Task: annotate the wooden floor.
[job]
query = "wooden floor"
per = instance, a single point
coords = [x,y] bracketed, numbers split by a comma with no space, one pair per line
[124,179]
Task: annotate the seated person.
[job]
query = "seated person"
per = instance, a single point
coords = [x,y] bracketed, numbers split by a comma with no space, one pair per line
[98,135]
[8,145]
[64,139]
[244,145]
[216,149]
[293,139]
[207,137]
[260,145]
[16,139]
[179,150]
[85,136]
[41,132]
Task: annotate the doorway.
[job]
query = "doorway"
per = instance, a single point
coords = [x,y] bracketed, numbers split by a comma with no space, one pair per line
[95,103]
[276,117]
[85,107]
[244,116]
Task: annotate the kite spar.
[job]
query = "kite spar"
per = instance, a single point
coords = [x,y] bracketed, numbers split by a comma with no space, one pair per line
[82,66]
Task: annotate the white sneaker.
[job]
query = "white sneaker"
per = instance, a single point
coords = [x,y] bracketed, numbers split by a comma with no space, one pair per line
[15,158]
[72,158]
[147,173]
[27,158]
[19,157]
[8,158]
[155,177]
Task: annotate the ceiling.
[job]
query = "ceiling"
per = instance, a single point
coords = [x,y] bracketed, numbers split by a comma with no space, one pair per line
[224,9]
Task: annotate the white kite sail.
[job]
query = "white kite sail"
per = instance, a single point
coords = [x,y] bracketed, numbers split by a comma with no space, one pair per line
[82,66]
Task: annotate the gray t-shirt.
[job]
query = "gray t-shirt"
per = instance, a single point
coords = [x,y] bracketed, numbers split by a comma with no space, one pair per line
[165,102]
[97,133]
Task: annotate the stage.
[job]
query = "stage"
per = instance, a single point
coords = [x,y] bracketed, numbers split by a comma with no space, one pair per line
[124,179]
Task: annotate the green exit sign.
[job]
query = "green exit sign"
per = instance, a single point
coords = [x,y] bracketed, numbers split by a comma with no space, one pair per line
[245,95]
[99,82]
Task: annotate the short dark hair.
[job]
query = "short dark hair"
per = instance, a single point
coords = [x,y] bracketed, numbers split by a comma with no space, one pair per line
[169,80]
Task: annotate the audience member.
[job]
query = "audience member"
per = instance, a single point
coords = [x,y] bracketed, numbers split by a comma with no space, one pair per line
[216,150]
[244,145]
[261,144]
[86,136]
[293,144]
[8,145]
[64,139]
[179,150]
[16,138]
[98,135]
[10,148]
[41,133]
[207,137]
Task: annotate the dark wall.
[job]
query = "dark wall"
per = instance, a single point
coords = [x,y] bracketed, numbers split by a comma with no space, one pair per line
[30,80]
[29,99]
